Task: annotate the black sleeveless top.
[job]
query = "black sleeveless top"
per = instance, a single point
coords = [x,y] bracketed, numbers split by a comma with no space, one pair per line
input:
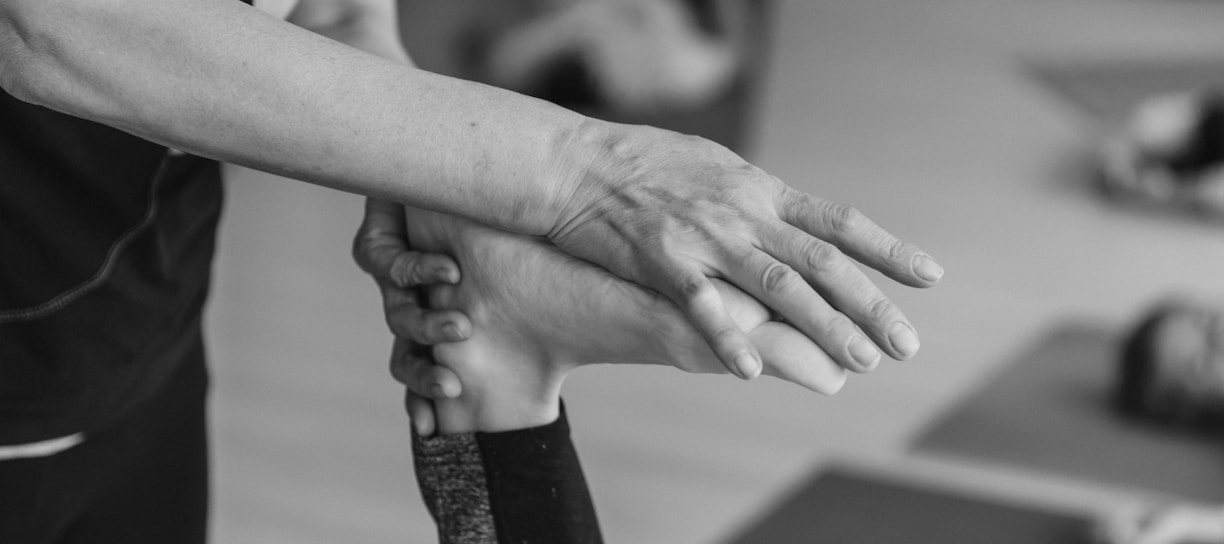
[106,243]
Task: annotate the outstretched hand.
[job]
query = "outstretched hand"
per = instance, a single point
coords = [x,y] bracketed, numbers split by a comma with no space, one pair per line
[670,212]
[537,313]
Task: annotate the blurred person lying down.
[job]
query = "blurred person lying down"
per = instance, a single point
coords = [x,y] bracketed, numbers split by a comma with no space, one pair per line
[1170,154]
[1171,373]
[1171,369]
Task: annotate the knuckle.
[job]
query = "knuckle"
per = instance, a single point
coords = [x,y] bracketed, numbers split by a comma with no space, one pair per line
[404,270]
[424,374]
[777,278]
[792,203]
[842,218]
[694,289]
[839,327]
[397,326]
[823,258]
[361,251]
[401,368]
[881,310]
[399,373]
[407,326]
[898,251]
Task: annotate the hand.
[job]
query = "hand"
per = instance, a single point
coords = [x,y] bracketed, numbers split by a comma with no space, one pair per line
[1181,524]
[537,312]
[669,212]
[381,249]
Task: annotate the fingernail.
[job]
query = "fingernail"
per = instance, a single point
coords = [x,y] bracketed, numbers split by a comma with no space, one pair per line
[863,351]
[446,274]
[452,332]
[438,391]
[746,366]
[927,269]
[903,339]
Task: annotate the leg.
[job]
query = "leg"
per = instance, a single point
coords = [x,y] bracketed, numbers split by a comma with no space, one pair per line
[524,485]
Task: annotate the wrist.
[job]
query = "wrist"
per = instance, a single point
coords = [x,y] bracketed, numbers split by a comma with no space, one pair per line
[585,163]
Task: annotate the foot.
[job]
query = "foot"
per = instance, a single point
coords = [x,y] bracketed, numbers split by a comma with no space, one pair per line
[537,313]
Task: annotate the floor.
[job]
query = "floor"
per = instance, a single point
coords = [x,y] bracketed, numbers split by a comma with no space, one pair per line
[918,113]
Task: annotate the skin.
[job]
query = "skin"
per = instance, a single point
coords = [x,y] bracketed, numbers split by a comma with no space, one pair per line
[522,347]
[657,208]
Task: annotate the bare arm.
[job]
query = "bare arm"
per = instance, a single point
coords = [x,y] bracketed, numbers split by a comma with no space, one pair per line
[664,210]
[225,81]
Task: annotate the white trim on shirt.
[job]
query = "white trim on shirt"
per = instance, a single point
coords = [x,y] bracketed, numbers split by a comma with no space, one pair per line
[45,448]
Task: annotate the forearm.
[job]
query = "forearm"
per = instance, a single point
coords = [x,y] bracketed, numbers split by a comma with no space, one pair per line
[222,80]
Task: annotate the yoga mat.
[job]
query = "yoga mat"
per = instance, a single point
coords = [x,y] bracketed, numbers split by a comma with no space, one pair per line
[1107,90]
[1049,411]
[849,508]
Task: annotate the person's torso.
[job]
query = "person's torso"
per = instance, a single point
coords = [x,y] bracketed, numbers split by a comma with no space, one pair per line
[106,243]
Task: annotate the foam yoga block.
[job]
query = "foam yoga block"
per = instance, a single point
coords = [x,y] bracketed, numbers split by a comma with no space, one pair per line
[1050,410]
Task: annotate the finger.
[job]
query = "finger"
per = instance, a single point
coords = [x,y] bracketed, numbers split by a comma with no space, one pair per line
[383,224]
[421,375]
[859,237]
[421,413]
[781,288]
[381,249]
[392,262]
[844,286]
[789,355]
[699,301]
[409,320]
[386,216]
